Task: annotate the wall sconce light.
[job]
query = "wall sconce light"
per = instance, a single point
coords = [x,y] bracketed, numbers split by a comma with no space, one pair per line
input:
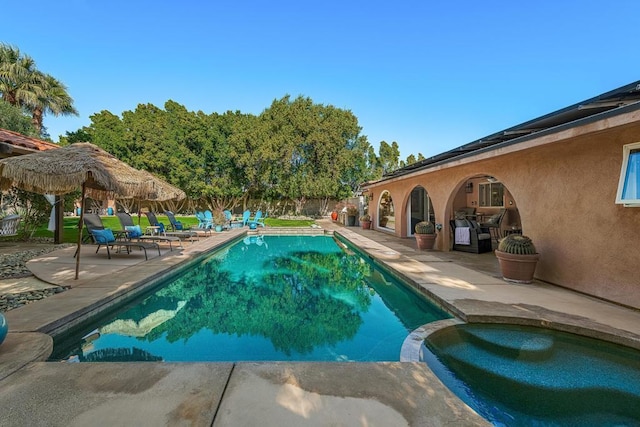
[469,187]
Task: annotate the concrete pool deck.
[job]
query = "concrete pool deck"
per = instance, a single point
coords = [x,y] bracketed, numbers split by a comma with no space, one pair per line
[35,392]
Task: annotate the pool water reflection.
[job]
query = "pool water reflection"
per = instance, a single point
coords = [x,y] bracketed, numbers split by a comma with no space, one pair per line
[269,298]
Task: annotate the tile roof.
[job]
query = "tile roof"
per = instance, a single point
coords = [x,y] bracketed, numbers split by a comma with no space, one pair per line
[13,143]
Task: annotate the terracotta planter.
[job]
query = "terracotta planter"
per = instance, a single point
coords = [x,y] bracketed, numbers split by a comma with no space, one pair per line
[334,216]
[365,224]
[517,268]
[425,241]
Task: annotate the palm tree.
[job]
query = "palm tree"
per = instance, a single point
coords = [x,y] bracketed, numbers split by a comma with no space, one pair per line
[19,80]
[22,85]
[54,99]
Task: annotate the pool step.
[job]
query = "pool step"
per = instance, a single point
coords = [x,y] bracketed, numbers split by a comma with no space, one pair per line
[512,344]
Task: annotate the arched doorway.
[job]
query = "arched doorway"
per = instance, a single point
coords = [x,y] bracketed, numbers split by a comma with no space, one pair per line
[419,209]
[486,200]
[386,212]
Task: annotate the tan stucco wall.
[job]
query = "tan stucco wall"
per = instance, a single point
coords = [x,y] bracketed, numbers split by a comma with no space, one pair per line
[564,187]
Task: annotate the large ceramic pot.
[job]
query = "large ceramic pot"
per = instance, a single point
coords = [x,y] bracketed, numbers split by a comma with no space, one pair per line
[425,241]
[365,224]
[4,328]
[517,268]
[351,220]
[334,216]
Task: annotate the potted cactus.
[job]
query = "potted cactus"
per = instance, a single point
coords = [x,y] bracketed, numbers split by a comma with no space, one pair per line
[518,258]
[425,234]
[365,221]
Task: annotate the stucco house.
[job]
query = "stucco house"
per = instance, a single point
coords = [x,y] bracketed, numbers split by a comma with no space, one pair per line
[570,180]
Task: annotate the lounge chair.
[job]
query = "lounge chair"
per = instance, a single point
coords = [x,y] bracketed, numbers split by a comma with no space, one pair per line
[174,224]
[9,225]
[102,236]
[178,226]
[135,232]
[161,230]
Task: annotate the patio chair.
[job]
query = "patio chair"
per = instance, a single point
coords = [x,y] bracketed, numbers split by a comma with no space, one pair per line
[9,225]
[253,224]
[202,221]
[135,232]
[174,224]
[102,236]
[161,230]
[208,218]
[258,220]
[245,217]
[469,236]
[494,224]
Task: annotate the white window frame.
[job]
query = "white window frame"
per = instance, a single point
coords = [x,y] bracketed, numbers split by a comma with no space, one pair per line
[624,170]
[480,194]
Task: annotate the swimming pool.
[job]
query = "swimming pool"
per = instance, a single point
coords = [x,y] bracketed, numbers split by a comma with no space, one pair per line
[518,375]
[275,298]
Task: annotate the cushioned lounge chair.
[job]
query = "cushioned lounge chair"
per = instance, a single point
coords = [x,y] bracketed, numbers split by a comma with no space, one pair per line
[184,235]
[102,236]
[468,236]
[135,232]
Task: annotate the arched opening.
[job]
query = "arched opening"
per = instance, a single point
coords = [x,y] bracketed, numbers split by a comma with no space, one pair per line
[386,212]
[419,208]
[486,201]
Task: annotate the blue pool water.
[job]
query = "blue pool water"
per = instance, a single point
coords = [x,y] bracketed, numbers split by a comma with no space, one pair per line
[274,298]
[526,376]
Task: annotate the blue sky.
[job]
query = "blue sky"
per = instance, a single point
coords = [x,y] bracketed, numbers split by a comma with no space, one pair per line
[429,75]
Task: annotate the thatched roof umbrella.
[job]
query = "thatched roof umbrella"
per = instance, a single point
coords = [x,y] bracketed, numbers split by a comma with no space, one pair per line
[66,169]
[160,191]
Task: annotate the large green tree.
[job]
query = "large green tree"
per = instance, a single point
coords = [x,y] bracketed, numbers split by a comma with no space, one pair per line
[297,150]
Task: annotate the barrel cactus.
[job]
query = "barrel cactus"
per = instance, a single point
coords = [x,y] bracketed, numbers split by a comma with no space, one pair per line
[517,244]
[424,227]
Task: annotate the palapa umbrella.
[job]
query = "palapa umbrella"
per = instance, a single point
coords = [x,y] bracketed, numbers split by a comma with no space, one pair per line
[160,191]
[66,169]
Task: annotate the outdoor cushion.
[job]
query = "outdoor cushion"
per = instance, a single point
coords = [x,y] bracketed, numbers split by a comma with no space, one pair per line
[103,236]
[133,231]
[461,223]
[484,236]
[494,219]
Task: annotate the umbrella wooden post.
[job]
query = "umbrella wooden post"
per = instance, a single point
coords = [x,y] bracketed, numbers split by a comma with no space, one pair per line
[80,224]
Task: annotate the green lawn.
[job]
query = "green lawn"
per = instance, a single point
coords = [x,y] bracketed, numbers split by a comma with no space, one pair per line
[70,233]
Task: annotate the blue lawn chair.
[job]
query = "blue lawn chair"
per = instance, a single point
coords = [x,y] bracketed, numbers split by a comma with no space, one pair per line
[245,217]
[257,220]
[208,219]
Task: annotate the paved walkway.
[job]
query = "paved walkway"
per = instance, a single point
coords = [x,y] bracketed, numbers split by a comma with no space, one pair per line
[35,392]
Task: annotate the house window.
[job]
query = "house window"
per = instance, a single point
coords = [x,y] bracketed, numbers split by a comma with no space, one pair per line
[491,194]
[629,184]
